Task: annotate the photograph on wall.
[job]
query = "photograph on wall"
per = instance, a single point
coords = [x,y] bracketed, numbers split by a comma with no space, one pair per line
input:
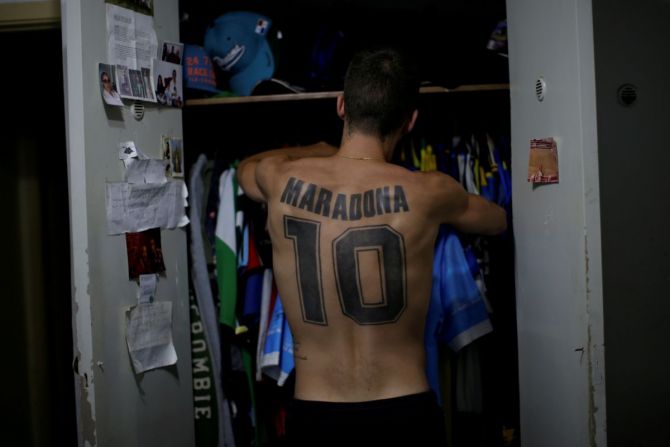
[108,85]
[168,83]
[165,150]
[172,52]
[142,6]
[136,84]
[124,81]
[146,79]
[176,157]
[145,254]
[173,153]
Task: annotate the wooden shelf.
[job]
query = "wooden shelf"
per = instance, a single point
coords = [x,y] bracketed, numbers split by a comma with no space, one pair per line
[326,95]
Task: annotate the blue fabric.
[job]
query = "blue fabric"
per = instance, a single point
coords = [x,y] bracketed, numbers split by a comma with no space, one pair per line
[457,313]
[325,65]
[434,323]
[278,359]
[273,340]
[490,191]
[460,297]
[472,261]
[253,294]
[286,361]
[243,252]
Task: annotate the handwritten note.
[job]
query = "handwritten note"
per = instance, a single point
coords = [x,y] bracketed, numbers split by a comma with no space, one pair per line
[149,336]
[145,171]
[137,207]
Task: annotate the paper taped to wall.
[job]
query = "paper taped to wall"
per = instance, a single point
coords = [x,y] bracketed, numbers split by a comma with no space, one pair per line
[543,161]
[145,171]
[137,207]
[147,288]
[149,336]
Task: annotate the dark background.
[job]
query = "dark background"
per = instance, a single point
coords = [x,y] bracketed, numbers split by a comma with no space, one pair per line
[447,38]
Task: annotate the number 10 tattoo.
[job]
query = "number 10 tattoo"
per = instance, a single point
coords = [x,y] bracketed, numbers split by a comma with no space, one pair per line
[389,246]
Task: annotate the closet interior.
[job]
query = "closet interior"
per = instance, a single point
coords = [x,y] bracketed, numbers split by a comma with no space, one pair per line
[463,130]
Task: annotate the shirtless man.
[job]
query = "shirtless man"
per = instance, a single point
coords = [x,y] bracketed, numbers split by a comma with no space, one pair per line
[353,238]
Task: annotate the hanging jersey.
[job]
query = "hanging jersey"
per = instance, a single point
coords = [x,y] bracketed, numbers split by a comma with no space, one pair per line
[243,252]
[434,324]
[205,303]
[268,291]
[226,248]
[466,318]
[253,295]
[253,257]
[457,314]
[469,179]
[277,361]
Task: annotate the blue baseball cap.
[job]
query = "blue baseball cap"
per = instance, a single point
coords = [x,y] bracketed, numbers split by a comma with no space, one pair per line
[236,43]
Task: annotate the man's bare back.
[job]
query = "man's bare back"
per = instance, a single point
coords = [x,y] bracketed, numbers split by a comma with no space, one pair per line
[352,260]
[353,239]
[353,243]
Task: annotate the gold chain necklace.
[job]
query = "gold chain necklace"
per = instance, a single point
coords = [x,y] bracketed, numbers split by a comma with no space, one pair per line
[359,158]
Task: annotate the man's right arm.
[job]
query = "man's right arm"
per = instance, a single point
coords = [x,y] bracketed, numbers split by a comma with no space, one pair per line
[481,216]
[468,213]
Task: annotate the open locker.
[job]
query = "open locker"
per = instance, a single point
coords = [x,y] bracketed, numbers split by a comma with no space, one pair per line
[470,118]
[573,291]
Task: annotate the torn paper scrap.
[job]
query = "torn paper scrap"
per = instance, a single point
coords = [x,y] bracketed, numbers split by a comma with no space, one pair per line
[543,161]
[147,289]
[149,336]
[127,150]
[132,208]
[145,171]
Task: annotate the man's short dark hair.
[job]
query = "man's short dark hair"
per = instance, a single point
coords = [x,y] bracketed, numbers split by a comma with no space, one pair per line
[380,91]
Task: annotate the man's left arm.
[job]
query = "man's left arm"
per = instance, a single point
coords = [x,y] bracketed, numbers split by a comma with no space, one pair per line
[251,174]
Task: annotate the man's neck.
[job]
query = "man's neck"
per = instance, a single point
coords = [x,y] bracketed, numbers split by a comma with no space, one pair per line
[356,145]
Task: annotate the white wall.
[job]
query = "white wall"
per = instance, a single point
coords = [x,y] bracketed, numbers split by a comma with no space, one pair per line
[557,227]
[117,408]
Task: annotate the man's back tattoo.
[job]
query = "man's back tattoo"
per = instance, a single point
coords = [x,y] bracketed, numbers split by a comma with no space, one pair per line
[378,248]
[319,200]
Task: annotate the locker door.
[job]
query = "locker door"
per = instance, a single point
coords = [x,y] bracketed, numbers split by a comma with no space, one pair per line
[557,226]
[115,406]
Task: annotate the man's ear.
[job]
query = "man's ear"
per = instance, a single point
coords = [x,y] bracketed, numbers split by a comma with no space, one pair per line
[340,106]
[412,121]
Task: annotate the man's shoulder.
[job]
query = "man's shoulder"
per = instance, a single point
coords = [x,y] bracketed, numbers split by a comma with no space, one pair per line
[435,179]
[270,169]
[426,182]
[431,190]
[282,164]
[272,162]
